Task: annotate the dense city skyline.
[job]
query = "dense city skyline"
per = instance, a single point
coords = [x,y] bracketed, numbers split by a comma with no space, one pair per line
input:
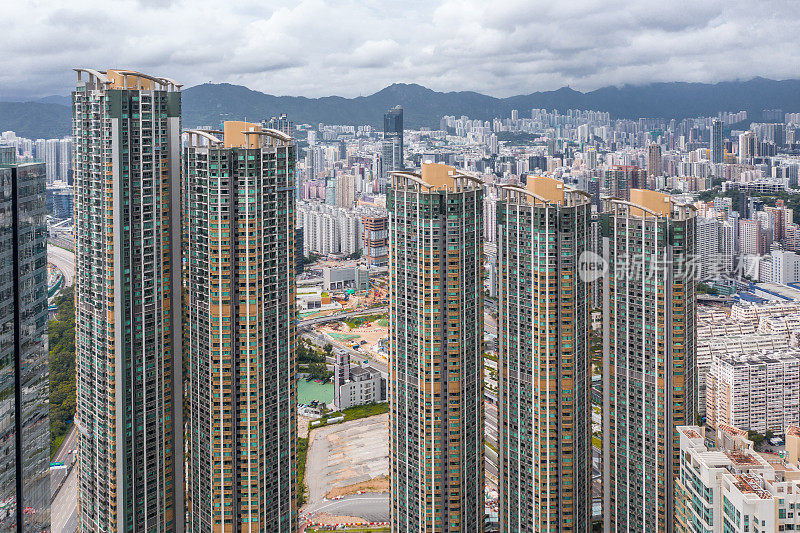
[524,317]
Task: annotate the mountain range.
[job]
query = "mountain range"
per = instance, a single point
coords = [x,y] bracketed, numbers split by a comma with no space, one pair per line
[209,104]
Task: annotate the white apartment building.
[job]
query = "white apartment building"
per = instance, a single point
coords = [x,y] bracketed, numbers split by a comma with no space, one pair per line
[786,325]
[731,488]
[356,385]
[710,312]
[757,392]
[726,326]
[708,247]
[785,267]
[732,344]
[753,311]
[331,230]
[751,240]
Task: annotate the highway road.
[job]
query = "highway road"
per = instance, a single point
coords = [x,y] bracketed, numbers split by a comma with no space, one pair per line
[64,507]
[320,340]
[64,260]
[490,425]
[341,316]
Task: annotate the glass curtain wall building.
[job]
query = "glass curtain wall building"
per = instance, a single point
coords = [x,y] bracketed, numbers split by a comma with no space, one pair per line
[544,404]
[239,331]
[436,341]
[126,128]
[24,376]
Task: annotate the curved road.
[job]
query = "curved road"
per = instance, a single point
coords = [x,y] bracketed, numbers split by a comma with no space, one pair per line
[64,260]
[372,507]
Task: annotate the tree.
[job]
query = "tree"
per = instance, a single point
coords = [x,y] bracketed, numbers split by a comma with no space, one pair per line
[755,436]
[62,368]
[702,288]
[328,350]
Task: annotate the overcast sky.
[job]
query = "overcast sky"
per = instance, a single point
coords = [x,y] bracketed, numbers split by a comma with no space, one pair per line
[351,48]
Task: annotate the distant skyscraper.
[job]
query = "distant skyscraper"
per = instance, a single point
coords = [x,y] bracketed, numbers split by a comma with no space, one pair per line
[544,395]
[126,127]
[24,377]
[281,124]
[393,130]
[619,180]
[240,287]
[649,380]
[65,160]
[747,146]
[391,158]
[436,341]
[717,146]
[345,191]
[654,160]
[51,151]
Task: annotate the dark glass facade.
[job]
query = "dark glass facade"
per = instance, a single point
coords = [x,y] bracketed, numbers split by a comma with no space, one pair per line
[24,384]
[393,129]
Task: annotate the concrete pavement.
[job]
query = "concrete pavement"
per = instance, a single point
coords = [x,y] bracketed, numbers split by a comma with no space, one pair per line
[64,509]
[369,506]
[341,455]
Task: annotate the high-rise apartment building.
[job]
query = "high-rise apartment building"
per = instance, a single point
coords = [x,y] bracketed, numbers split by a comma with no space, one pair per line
[751,237]
[757,391]
[436,339]
[544,404]
[240,331]
[375,232]
[649,381]
[620,179]
[654,160]
[24,377]
[393,130]
[747,146]
[126,128]
[345,191]
[717,146]
[52,147]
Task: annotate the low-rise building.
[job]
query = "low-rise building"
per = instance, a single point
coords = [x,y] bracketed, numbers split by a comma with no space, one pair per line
[752,312]
[732,488]
[356,385]
[352,277]
[786,325]
[726,326]
[757,392]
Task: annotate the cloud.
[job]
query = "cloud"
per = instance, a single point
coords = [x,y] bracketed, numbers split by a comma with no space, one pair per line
[351,47]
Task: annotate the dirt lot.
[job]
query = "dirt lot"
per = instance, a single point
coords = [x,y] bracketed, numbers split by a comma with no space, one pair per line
[379,484]
[343,455]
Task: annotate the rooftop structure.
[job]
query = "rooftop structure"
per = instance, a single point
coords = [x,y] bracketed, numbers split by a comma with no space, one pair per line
[731,487]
